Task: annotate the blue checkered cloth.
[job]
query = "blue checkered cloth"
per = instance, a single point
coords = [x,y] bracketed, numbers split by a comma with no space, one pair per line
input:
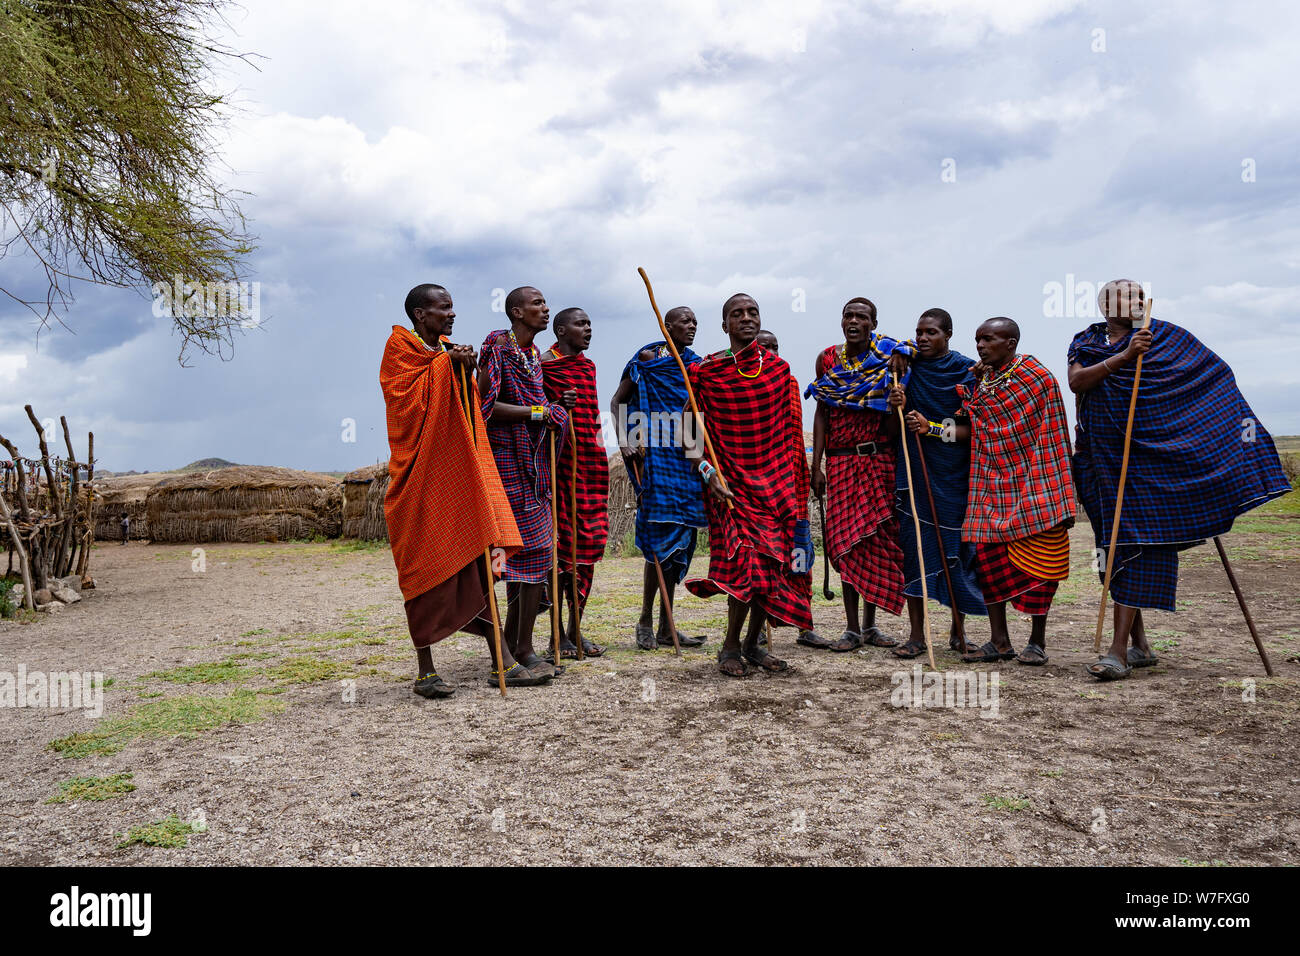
[864,382]
[670,494]
[1198,456]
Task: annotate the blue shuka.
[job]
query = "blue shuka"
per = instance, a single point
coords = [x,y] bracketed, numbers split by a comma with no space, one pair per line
[932,390]
[1198,457]
[670,508]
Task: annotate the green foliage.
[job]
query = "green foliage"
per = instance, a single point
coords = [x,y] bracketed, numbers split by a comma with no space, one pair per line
[215,672]
[109,123]
[93,788]
[1007,804]
[357,544]
[169,833]
[7,603]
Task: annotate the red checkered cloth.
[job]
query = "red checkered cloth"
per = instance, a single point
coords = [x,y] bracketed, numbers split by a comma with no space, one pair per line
[751,409]
[578,372]
[1001,580]
[1020,480]
[861,526]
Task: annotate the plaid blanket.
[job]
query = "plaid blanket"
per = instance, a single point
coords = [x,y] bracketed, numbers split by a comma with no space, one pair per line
[578,372]
[521,451]
[862,382]
[1020,454]
[1198,456]
[670,502]
[750,404]
[436,469]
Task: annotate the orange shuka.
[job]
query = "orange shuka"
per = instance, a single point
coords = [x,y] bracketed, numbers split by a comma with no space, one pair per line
[445,503]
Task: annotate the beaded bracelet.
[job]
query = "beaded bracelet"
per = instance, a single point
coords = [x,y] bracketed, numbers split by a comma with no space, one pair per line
[706,471]
[538,413]
[936,430]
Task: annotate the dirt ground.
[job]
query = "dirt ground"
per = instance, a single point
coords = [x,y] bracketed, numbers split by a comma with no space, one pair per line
[642,757]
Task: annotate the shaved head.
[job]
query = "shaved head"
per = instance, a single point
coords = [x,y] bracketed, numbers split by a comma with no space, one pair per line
[679,310]
[565,316]
[1121,298]
[518,298]
[1003,326]
[419,298]
[726,306]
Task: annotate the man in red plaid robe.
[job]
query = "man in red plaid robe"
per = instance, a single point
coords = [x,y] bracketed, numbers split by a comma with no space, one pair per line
[759,547]
[565,368]
[1021,502]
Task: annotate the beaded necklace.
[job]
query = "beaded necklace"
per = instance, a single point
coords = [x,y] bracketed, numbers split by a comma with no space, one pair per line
[842,351]
[993,380]
[532,359]
[737,361]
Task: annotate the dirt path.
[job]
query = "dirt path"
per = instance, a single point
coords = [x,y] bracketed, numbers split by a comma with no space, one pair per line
[642,758]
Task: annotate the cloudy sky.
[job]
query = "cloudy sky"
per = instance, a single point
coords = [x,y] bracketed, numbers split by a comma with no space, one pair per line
[961,153]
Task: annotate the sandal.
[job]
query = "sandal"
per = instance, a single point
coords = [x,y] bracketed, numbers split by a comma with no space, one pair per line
[849,641]
[683,640]
[645,638]
[730,657]
[765,661]
[878,638]
[1033,655]
[988,654]
[909,650]
[1139,658]
[812,639]
[1109,667]
[591,650]
[543,666]
[517,675]
[433,687]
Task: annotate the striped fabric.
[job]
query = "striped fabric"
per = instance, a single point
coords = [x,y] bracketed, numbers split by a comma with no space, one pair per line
[749,402]
[578,372]
[522,452]
[1045,555]
[1000,580]
[861,526]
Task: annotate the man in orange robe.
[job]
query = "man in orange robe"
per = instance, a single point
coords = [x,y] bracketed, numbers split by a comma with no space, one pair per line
[445,506]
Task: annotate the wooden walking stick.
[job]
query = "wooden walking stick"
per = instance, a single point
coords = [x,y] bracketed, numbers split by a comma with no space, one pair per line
[487,552]
[827,593]
[573,542]
[920,551]
[686,380]
[943,552]
[555,560]
[1119,496]
[1241,599]
[667,609]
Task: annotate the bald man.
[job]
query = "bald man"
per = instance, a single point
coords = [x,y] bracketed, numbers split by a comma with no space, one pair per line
[1198,458]
[1021,502]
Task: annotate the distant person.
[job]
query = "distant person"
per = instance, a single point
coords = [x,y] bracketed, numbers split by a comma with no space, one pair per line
[519,417]
[126,527]
[1198,458]
[767,340]
[649,402]
[1021,503]
[566,368]
[445,505]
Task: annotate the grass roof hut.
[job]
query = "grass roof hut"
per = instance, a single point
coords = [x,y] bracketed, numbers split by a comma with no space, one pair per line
[124,493]
[245,503]
[363,503]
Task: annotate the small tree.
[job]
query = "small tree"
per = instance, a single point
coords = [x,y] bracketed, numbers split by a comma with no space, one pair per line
[107,154]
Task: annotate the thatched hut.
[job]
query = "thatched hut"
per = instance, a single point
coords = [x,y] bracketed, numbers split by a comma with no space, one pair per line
[245,503]
[123,493]
[363,503]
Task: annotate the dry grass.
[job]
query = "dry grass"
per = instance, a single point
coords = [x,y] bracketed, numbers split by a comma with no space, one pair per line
[245,503]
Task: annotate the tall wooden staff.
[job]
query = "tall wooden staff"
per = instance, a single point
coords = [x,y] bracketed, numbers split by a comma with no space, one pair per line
[573,540]
[920,551]
[686,380]
[943,552]
[1123,474]
[555,560]
[663,586]
[487,552]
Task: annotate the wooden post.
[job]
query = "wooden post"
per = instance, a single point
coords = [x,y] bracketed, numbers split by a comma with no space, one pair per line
[1241,599]
[23,565]
[920,552]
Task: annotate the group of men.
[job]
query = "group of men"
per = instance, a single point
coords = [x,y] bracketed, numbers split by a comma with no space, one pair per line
[507,444]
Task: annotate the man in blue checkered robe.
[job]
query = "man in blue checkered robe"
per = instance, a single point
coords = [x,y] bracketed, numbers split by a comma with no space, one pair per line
[1198,458]
[670,502]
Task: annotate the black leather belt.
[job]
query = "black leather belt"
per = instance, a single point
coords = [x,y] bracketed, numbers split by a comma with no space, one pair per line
[862,448]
